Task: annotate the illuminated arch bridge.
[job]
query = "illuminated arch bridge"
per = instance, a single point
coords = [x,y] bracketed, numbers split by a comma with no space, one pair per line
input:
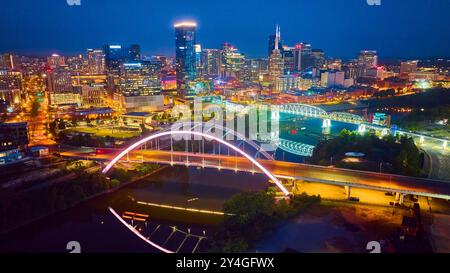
[204,136]
[317,112]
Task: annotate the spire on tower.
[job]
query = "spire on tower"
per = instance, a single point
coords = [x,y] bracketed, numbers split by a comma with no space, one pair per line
[277,37]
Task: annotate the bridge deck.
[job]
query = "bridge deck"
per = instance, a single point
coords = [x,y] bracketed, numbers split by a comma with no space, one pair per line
[311,173]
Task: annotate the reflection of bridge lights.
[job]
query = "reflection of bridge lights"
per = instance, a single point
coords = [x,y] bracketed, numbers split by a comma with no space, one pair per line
[132,229]
[422,139]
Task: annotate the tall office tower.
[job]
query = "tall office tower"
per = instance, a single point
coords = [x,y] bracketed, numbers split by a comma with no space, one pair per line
[367,59]
[303,57]
[288,59]
[10,86]
[76,63]
[408,67]
[140,85]
[134,53]
[114,56]
[350,69]
[271,45]
[185,55]
[95,61]
[275,59]
[319,58]
[56,60]
[211,62]
[198,61]
[259,68]
[59,80]
[232,62]
[60,87]
[8,61]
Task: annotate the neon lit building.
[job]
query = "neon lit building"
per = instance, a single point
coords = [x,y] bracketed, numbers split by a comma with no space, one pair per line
[185,54]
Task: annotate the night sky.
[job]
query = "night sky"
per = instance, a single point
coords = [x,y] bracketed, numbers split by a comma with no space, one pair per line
[397,28]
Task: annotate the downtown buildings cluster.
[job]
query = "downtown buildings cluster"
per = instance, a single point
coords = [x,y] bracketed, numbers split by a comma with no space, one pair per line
[118,80]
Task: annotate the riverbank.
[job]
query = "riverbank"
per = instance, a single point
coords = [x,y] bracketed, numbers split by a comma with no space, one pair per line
[91,197]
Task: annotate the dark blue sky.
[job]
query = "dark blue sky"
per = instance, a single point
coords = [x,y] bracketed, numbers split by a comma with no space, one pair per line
[397,28]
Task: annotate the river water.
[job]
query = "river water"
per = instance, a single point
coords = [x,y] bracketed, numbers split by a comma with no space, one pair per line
[97,230]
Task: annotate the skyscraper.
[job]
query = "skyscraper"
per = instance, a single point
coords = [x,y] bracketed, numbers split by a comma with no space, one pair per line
[185,54]
[232,62]
[96,61]
[140,85]
[271,45]
[134,52]
[303,57]
[114,55]
[211,62]
[276,63]
[367,59]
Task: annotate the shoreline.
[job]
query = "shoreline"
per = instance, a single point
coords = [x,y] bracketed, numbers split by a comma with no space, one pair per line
[112,190]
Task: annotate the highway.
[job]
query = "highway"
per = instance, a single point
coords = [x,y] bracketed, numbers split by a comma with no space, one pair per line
[288,170]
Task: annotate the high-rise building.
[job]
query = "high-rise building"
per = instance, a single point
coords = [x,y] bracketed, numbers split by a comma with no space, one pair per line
[185,54]
[95,61]
[116,55]
[271,45]
[11,86]
[198,61]
[8,61]
[332,78]
[319,58]
[367,59]
[59,80]
[276,63]
[407,67]
[232,62]
[211,62]
[140,85]
[60,87]
[288,59]
[134,53]
[55,60]
[303,57]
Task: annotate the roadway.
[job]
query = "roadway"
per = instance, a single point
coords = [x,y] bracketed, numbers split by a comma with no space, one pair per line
[288,170]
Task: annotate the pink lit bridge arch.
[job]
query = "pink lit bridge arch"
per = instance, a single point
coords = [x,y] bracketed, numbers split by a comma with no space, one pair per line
[207,137]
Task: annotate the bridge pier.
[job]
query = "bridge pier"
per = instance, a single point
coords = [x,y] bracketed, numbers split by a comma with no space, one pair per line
[348,191]
[362,128]
[326,126]
[399,198]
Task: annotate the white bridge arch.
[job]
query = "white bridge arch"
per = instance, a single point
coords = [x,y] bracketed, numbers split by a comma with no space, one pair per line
[207,137]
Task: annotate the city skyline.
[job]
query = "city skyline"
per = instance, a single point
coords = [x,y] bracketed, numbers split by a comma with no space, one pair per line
[344,39]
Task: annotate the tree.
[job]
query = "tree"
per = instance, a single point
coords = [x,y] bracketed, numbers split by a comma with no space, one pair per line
[35,106]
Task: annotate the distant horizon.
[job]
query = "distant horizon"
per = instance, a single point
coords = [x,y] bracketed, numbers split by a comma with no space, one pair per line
[146,54]
[401,29]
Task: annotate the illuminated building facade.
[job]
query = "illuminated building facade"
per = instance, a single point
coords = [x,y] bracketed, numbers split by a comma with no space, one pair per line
[232,62]
[95,61]
[276,63]
[185,54]
[11,86]
[211,62]
[367,59]
[140,85]
[56,60]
